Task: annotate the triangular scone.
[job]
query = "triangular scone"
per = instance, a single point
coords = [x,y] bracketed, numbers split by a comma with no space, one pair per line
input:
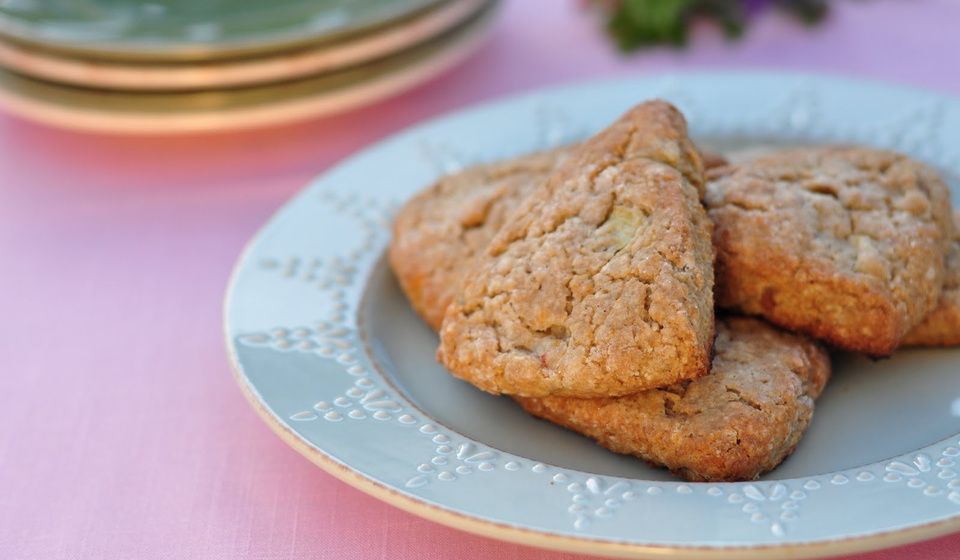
[941,327]
[782,402]
[601,282]
[739,421]
[842,244]
[438,233]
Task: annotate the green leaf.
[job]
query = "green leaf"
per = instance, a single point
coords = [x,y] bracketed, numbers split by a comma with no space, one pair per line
[637,23]
[640,23]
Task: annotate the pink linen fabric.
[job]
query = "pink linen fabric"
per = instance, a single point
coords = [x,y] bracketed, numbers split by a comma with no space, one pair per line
[122,434]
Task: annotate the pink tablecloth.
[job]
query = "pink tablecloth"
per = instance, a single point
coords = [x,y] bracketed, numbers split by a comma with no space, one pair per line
[122,434]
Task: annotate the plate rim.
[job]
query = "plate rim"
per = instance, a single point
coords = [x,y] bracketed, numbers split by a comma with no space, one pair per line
[406,69]
[422,507]
[136,76]
[566,543]
[192,51]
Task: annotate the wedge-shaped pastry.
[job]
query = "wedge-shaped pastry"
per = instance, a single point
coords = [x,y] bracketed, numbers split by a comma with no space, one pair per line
[739,421]
[941,327]
[439,232]
[601,281]
[843,244]
[773,432]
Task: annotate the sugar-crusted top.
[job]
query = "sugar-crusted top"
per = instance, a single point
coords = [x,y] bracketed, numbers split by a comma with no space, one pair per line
[842,243]
[600,283]
[438,233]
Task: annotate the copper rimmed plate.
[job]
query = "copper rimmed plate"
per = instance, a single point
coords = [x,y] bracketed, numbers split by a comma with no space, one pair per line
[166,30]
[229,109]
[212,74]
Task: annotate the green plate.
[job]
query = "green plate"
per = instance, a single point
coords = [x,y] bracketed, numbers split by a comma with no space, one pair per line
[193,29]
[229,73]
[217,110]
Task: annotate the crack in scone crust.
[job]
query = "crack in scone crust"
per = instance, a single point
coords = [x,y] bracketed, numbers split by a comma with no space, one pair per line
[601,281]
[843,244]
[941,327]
[734,424]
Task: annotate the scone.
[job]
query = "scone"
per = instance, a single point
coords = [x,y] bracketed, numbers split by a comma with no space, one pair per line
[941,327]
[843,244]
[739,421]
[762,451]
[600,283]
[439,232]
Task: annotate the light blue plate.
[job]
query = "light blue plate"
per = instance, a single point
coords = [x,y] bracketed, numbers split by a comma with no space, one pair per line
[330,353]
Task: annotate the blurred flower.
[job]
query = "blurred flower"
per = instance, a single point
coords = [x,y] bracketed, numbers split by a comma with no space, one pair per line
[639,23]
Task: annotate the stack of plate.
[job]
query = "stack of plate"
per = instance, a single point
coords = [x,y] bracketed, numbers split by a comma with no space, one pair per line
[183,65]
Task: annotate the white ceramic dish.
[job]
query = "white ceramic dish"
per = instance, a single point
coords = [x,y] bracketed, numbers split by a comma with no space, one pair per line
[330,354]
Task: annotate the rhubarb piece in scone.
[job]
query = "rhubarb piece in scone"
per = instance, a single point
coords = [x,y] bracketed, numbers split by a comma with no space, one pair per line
[600,283]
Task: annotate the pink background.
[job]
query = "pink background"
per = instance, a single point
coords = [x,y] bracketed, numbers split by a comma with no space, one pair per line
[122,434]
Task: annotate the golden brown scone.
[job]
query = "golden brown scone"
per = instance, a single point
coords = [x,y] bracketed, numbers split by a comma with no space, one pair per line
[784,423]
[941,327]
[600,283]
[439,232]
[734,424]
[843,244]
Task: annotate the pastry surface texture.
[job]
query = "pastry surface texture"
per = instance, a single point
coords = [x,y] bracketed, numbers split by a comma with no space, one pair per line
[842,244]
[941,327]
[600,283]
[736,423]
[439,232]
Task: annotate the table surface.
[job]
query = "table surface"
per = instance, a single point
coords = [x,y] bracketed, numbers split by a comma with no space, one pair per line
[122,434]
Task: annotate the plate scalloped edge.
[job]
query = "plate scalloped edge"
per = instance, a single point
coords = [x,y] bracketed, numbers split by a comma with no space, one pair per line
[335,391]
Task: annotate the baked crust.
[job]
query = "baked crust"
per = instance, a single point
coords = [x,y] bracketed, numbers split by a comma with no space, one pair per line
[941,327]
[779,373]
[843,244]
[601,282]
[439,232]
[734,424]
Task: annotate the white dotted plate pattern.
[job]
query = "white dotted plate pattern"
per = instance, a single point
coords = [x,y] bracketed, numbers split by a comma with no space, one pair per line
[294,334]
